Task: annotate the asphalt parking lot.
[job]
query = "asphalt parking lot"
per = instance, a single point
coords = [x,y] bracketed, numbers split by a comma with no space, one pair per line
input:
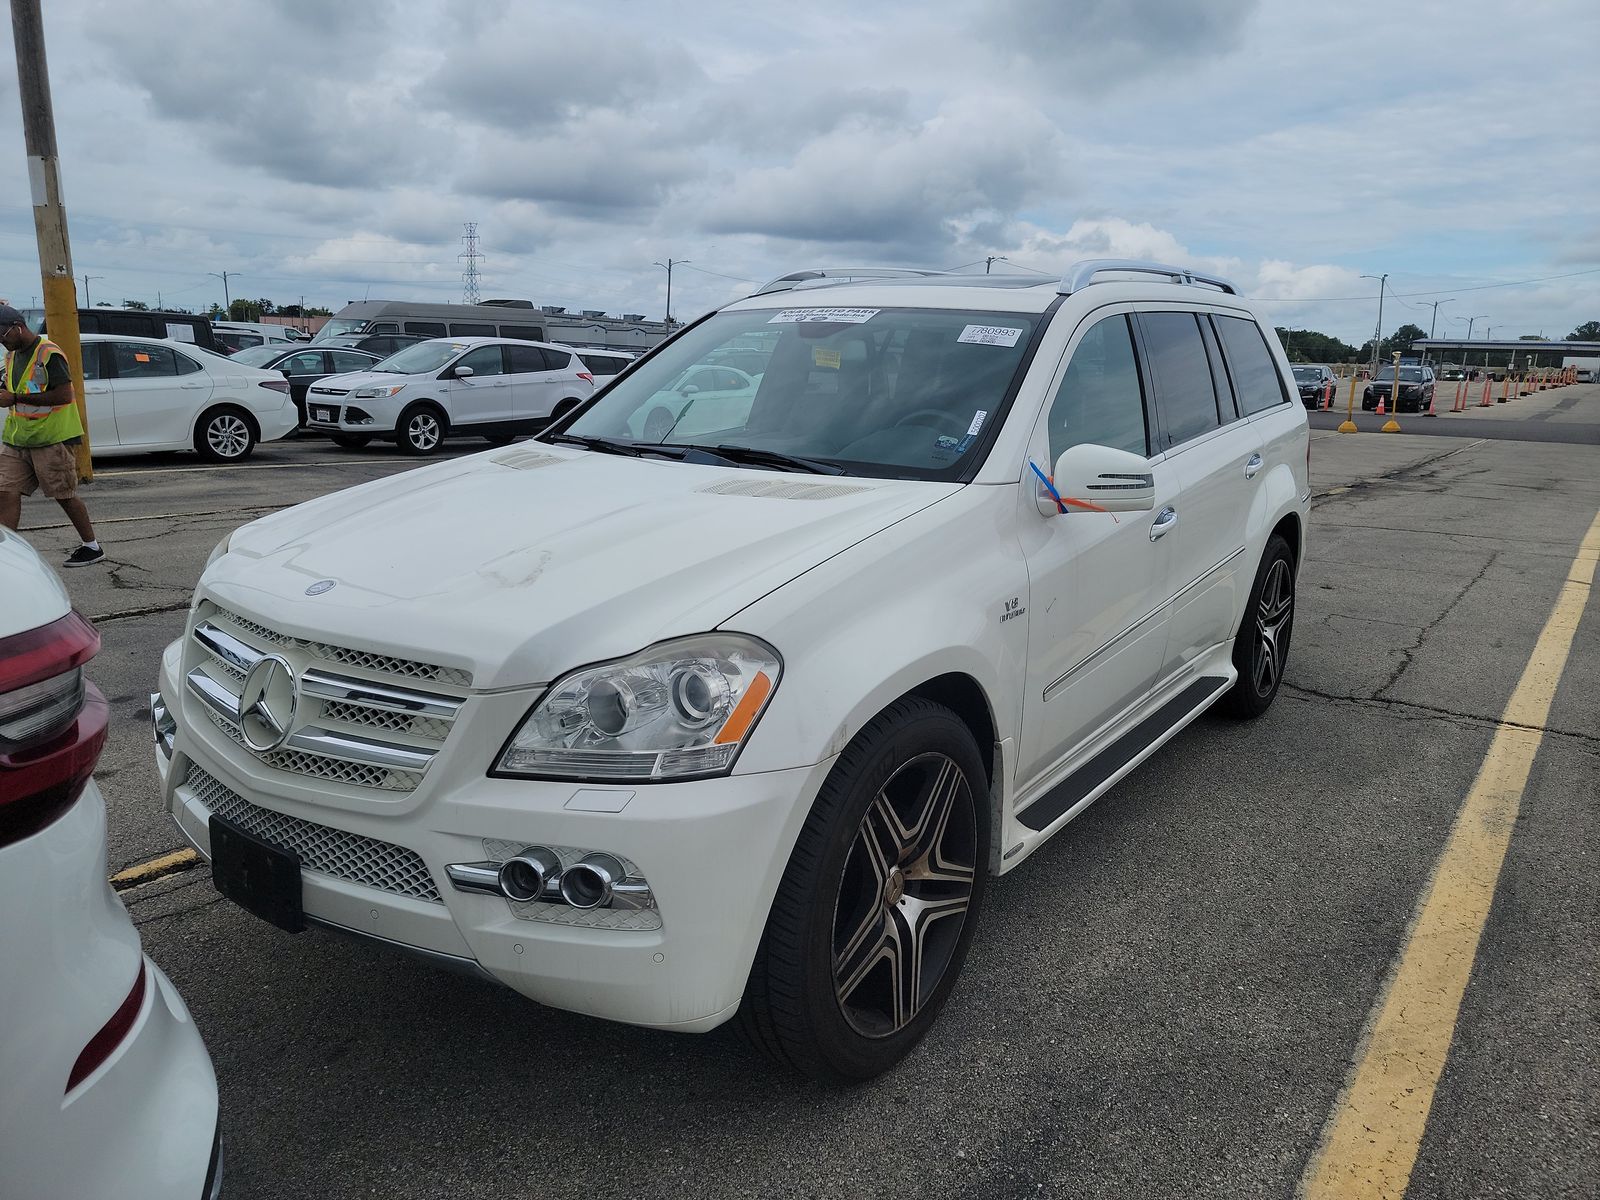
[1165,1001]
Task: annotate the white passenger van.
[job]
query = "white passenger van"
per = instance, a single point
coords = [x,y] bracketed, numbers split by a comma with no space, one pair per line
[676,728]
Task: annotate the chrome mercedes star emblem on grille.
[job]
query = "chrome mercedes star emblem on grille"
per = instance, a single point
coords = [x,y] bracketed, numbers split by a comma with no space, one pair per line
[267,704]
[320,586]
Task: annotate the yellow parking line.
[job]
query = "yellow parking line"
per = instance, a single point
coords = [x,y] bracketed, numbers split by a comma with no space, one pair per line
[1369,1145]
[166,864]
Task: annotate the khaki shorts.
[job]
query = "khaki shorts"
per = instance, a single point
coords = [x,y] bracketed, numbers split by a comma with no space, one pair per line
[53,468]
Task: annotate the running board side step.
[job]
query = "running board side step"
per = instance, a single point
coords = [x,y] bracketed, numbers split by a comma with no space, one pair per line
[1083,782]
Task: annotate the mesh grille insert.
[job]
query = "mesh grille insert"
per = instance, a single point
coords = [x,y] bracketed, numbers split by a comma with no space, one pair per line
[367,861]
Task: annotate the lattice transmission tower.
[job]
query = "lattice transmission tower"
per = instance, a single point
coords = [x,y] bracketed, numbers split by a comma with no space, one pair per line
[469,277]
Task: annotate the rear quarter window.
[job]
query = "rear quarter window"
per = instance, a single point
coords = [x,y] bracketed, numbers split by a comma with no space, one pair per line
[1256,381]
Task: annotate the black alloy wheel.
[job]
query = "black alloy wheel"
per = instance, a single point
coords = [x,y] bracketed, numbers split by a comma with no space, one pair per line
[1261,649]
[871,923]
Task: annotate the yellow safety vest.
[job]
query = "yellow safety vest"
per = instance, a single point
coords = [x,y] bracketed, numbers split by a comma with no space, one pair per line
[36,424]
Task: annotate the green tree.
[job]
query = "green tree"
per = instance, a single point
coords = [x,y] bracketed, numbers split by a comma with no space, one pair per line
[136,305]
[244,310]
[1589,331]
[1307,345]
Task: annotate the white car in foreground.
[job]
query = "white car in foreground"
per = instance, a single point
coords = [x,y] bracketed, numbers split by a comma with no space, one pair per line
[105,1086]
[493,388]
[740,723]
[145,395]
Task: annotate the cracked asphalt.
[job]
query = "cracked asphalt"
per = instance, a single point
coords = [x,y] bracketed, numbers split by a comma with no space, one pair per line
[1164,1001]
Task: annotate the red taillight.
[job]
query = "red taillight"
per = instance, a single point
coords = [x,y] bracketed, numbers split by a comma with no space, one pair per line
[111,1033]
[276,385]
[52,724]
[586,376]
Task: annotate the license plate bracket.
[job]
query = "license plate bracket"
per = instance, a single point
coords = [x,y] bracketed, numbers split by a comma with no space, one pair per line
[258,876]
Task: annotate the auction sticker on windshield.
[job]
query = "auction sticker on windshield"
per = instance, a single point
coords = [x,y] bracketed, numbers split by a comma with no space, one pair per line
[990,335]
[848,316]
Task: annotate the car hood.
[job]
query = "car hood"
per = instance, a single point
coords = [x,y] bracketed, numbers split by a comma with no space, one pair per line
[34,596]
[520,564]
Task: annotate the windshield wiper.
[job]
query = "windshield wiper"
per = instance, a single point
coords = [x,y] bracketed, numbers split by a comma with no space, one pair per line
[613,446]
[771,458]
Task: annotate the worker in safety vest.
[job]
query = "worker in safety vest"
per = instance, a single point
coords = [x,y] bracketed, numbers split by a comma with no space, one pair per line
[39,444]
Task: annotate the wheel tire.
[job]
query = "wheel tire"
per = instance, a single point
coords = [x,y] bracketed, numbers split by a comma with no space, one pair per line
[499,439]
[225,435]
[351,441]
[657,424]
[1261,649]
[902,818]
[421,429]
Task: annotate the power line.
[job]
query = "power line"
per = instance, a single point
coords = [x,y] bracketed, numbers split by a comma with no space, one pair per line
[1441,291]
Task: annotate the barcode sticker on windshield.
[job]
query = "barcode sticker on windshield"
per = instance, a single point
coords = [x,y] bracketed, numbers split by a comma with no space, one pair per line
[847,316]
[978,419]
[990,335]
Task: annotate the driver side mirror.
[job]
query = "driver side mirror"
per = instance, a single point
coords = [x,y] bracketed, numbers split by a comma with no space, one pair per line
[462,372]
[1101,479]
[688,389]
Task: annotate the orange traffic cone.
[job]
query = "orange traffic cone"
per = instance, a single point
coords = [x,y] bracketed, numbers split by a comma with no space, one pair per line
[1430,412]
[1380,406]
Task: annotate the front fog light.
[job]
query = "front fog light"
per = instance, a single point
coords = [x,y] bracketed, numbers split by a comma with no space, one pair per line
[678,710]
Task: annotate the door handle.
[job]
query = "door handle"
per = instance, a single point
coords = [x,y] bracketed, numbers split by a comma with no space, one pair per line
[95,389]
[191,386]
[1165,522]
[1251,467]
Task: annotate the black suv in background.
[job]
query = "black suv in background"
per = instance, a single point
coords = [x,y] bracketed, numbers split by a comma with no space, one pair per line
[138,322]
[1313,384]
[1416,389]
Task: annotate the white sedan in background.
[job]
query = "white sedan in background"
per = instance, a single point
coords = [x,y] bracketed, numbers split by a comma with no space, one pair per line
[145,395]
[105,1086]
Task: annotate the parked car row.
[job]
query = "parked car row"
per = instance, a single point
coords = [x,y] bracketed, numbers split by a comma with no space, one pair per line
[1415,394]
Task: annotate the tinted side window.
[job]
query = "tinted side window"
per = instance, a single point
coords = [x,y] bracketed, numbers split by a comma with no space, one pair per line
[138,361]
[1182,375]
[528,333]
[556,360]
[91,361]
[1226,404]
[427,329]
[471,329]
[308,362]
[522,359]
[383,327]
[343,360]
[186,365]
[1255,378]
[485,360]
[1101,400]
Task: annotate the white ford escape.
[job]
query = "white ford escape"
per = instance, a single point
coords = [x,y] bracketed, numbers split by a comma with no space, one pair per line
[668,729]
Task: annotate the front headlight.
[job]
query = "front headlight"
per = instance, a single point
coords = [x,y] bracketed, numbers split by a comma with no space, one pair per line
[372,393]
[675,711]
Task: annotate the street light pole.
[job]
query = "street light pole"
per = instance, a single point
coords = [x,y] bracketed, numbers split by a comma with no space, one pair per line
[667,267]
[1435,320]
[86,278]
[991,260]
[1377,335]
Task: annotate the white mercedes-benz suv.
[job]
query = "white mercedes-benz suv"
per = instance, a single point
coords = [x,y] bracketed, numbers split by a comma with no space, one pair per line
[671,727]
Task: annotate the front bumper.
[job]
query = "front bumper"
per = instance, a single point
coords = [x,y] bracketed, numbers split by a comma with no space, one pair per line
[712,850]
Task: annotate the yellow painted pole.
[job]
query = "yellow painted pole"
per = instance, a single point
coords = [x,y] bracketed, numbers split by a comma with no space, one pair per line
[1348,425]
[1391,425]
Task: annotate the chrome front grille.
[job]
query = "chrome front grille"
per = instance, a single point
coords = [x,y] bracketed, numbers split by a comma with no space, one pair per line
[367,861]
[358,718]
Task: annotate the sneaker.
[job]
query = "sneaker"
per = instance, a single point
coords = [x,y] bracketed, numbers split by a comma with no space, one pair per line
[85,557]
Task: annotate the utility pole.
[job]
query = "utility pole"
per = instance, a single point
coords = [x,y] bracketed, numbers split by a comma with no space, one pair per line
[49,214]
[227,301]
[1377,334]
[86,279]
[991,260]
[667,267]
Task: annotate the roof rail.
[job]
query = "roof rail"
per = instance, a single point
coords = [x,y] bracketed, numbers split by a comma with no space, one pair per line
[1081,274]
[794,279]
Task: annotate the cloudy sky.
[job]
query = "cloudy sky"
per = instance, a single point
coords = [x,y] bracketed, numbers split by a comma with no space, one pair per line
[334,150]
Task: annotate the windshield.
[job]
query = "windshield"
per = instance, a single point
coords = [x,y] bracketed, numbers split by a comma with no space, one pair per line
[1307,373]
[421,358]
[1407,374]
[340,325]
[895,393]
[257,356]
